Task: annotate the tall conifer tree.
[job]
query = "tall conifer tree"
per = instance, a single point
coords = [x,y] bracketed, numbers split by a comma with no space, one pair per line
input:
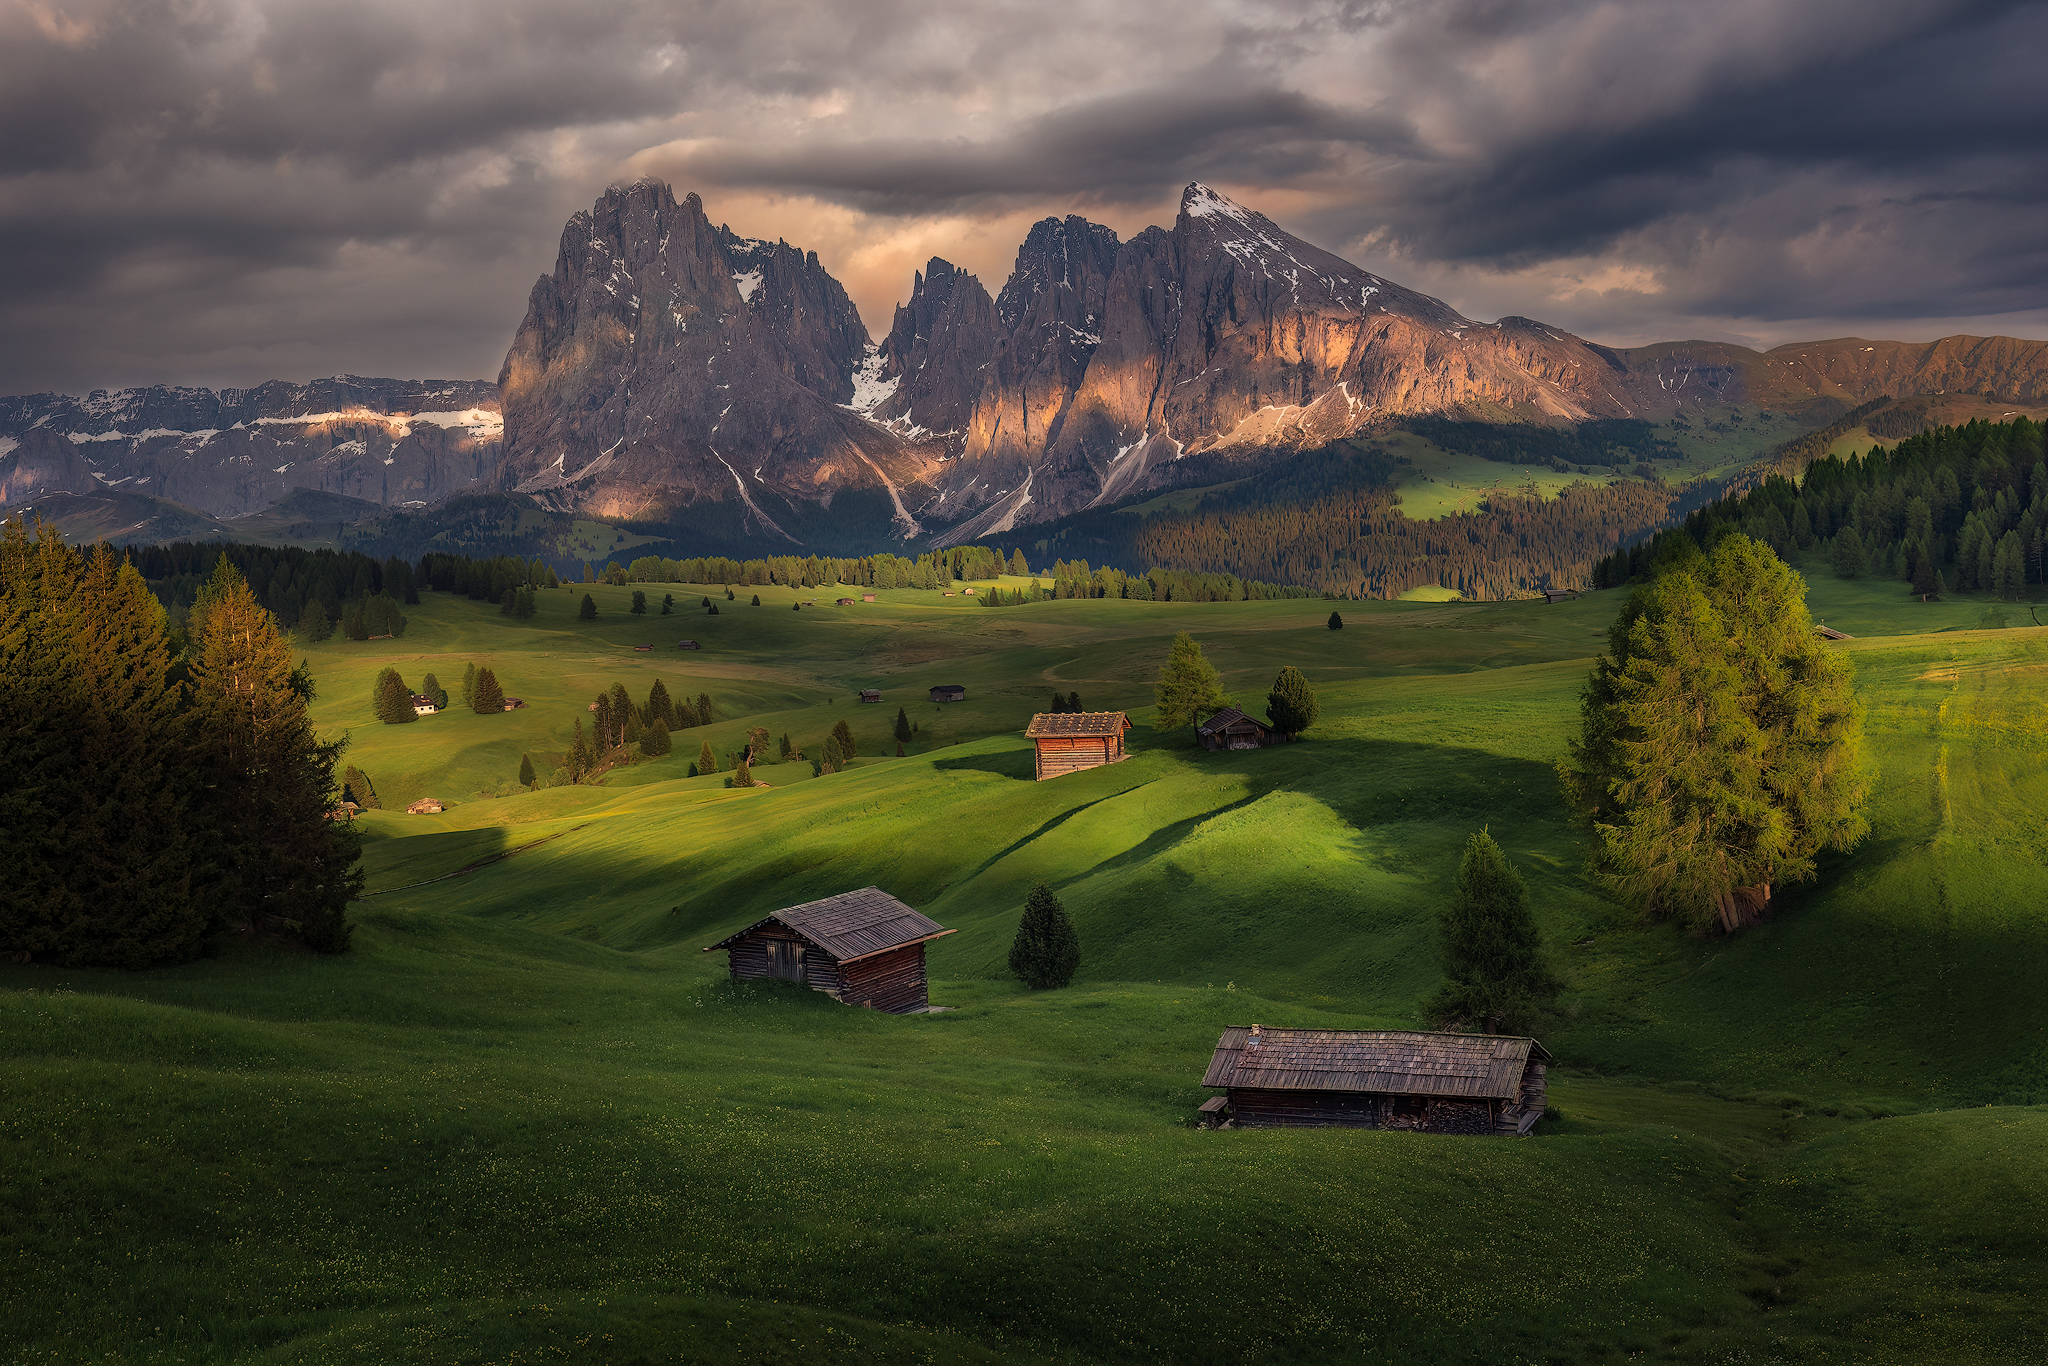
[270,779]
[1189,687]
[1488,944]
[1720,742]
[1046,952]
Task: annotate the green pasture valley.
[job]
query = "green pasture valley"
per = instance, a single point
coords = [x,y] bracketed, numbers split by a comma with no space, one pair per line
[527,1119]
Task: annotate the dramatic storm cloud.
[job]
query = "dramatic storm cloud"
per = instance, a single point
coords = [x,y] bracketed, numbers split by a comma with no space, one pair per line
[224,191]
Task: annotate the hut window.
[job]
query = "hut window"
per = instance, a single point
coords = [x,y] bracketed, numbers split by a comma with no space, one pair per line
[785,959]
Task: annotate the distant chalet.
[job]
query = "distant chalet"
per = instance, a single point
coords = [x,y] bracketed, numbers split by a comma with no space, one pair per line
[1551,595]
[1232,729]
[870,694]
[863,948]
[425,806]
[1379,1079]
[949,692]
[1070,741]
[688,645]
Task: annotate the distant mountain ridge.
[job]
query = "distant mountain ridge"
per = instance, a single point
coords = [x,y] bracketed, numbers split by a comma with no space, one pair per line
[706,387]
[231,453]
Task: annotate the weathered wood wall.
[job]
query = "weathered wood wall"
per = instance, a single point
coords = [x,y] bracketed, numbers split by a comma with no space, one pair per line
[1058,754]
[892,981]
[1256,1108]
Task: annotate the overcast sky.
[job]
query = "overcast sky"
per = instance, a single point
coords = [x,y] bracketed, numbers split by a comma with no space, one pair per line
[226,191]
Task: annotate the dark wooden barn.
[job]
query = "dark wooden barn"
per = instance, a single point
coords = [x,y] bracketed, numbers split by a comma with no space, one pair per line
[1380,1079]
[1070,741]
[864,948]
[949,692]
[1232,729]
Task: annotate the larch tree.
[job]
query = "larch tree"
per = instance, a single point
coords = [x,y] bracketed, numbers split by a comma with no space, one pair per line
[1189,687]
[707,762]
[1495,974]
[1720,742]
[104,862]
[1291,705]
[1046,952]
[843,733]
[270,779]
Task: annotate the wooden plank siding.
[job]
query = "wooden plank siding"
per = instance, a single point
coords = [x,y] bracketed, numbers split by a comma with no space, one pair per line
[863,948]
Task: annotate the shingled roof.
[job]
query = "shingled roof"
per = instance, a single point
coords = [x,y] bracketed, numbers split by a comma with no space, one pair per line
[851,925]
[1227,718]
[1078,723]
[1388,1062]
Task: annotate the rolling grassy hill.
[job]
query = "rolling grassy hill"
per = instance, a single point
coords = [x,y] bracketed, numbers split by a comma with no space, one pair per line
[527,1120]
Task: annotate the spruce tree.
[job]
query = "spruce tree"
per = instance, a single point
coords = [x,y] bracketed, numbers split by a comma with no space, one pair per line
[654,741]
[788,750]
[834,758]
[270,780]
[1074,702]
[430,687]
[757,599]
[360,789]
[587,611]
[1291,705]
[394,699]
[1336,622]
[742,774]
[705,715]
[1046,952]
[489,697]
[1846,557]
[707,762]
[902,726]
[659,707]
[668,603]
[580,759]
[1489,948]
[843,733]
[1189,687]
[526,771]
[469,683]
[1720,741]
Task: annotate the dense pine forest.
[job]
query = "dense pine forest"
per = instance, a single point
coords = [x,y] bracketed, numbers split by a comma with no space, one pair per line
[1330,521]
[1956,507]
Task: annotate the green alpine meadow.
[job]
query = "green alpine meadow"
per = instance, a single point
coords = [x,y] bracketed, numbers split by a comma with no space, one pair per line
[524,1117]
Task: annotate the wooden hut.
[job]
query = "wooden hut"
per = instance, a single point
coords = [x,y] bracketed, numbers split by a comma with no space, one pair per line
[863,948]
[867,597]
[1828,632]
[1068,741]
[842,602]
[688,645]
[1380,1079]
[949,692]
[1232,729]
[1560,595]
[425,806]
[870,694]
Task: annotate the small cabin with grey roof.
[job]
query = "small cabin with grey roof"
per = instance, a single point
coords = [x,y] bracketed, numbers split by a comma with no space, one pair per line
[1378,1079]
[863,948]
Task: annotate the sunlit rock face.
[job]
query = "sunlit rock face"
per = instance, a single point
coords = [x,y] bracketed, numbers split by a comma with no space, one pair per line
[1113,360]
[671,371]
[666,363]
[232,452]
